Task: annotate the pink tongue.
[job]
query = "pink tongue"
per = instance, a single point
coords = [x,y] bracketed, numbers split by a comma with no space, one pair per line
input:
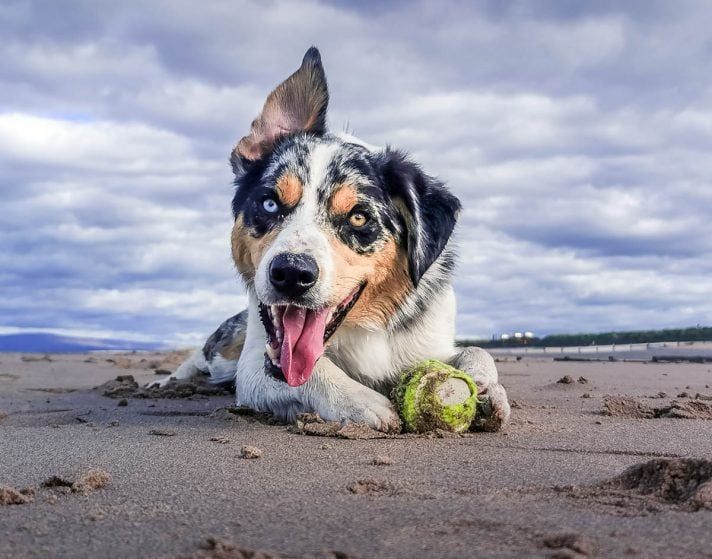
[303,342]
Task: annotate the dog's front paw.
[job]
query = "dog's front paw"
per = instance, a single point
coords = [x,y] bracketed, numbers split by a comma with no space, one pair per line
[160,383]
[364,406]
[493,410]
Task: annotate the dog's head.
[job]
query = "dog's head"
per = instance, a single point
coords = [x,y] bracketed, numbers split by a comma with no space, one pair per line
[329,231]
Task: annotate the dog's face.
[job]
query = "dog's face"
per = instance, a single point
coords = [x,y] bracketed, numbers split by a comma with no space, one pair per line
[328,231]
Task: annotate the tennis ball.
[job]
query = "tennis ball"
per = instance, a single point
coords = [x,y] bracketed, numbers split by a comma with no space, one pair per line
[433,395]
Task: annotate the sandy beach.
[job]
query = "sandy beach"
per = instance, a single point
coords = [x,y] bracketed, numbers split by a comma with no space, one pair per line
[87,475]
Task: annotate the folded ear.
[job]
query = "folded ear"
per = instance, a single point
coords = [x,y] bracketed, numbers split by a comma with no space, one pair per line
[298,104]
[429,210]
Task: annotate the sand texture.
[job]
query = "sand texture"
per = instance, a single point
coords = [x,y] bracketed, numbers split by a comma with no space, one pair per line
[613,461]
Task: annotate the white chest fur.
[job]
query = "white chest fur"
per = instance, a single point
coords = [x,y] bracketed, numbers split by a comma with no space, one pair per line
[374,356]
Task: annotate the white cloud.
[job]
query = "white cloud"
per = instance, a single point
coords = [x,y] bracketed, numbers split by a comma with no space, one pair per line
[576,136]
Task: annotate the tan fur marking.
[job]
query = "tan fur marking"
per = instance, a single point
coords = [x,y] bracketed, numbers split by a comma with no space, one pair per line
[289,190]
[343,200]
[247,251]
[232,351]
[386,272]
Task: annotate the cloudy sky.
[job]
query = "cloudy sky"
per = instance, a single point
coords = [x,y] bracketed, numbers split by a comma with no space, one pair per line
[577,134]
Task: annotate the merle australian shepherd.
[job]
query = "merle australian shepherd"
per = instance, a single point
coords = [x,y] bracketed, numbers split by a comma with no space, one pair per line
[346,254]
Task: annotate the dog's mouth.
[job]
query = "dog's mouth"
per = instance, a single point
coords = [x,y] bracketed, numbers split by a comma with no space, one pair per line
[296,336]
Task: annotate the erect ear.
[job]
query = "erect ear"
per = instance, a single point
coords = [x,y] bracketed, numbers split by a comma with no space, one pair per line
[298,104]
[428,208]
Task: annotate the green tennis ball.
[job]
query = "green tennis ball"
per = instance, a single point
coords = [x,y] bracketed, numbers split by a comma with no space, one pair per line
[433,395]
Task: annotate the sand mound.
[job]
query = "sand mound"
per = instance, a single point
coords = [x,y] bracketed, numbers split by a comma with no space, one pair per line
[218,549]
[55,486]
[215,548]
[312,424]
[631,408]
[694,409]
[85,484]
[167,361]
[11,496]
[125,386]
[683,484]
[682,481]
[580,544]
[373,487]
[634,408]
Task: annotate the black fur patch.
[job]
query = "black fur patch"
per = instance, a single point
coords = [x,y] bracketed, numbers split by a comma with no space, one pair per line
[431,210]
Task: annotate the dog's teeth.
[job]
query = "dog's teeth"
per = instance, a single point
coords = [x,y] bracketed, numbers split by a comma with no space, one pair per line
[279,333]
[276,363]
[272,353]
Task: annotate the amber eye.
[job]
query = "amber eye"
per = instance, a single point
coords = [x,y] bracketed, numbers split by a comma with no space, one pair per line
[358,220]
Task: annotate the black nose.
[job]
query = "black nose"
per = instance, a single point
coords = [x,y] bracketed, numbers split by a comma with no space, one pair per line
[293,274]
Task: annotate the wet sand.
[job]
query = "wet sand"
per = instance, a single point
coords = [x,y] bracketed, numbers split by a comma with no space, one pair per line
[191,477]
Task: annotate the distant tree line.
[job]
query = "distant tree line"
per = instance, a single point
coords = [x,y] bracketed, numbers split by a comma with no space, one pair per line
[694,334]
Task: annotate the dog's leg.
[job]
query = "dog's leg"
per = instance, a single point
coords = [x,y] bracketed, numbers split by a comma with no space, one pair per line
[337,397]
[218,357]
[494,411]
[329,392]
[191,367]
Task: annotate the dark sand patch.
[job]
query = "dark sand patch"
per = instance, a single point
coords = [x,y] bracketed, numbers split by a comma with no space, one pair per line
[382,461]
[566,379]
[35,358]
[175,413]
[219,440]
[683,484]
[634,408]
[125,386]
[373,487]
[580,544]
[9,376]
[681,359]
[53,390]
[236,413]
[162,433]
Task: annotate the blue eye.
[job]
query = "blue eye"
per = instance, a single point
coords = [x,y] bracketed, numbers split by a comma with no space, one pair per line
[270,206]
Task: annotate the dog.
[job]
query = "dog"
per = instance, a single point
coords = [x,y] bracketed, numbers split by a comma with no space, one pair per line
[345,251]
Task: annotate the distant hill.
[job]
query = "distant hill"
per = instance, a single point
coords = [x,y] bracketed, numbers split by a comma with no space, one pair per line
[51,343]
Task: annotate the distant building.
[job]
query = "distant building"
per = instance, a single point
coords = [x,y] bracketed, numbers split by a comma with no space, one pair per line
[518,337]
